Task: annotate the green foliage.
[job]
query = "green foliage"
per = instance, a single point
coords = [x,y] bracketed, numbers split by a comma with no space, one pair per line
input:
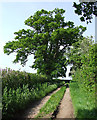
[17,100]
[21,88]
[52,103]
[78,50]
[14,79]
[48,33]
[83,55]
[86,10]
[83,102]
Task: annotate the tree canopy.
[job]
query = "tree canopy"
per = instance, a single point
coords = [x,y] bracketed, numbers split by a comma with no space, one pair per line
[77,52]
[47,40]
[86,10]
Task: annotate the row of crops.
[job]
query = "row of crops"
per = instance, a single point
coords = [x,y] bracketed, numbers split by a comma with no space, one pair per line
[20,89]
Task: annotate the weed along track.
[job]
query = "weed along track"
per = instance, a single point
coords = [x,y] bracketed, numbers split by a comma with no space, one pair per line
[57,104]
[33,109]
[32,96]
[64,108]
[48,109]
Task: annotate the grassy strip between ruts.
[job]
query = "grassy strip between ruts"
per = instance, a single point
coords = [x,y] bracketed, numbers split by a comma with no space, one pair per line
[52,103]
[83,103]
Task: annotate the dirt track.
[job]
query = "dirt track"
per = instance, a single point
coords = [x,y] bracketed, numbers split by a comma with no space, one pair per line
[33,109]
[66,108]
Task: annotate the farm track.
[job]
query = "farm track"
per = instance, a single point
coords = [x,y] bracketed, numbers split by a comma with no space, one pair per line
[33,109]
[65,109]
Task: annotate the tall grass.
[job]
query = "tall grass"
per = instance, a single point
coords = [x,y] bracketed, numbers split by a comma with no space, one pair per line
[83,102]
[20,89]
[17,100]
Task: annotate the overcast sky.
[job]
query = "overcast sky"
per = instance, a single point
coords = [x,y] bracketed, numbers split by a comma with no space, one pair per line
[13,15]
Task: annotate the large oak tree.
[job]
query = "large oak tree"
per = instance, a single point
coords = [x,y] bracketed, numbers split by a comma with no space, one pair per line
[49,37]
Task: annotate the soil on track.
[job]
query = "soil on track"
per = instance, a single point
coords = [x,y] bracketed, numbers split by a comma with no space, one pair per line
[66,108]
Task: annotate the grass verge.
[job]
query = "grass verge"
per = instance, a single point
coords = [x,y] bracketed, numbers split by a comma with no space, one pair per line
[83,104]
[52,103]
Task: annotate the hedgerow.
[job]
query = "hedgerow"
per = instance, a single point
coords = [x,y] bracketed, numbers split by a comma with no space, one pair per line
[84,58]
[19,89]
[17,100]
[83,55]
[14,79]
